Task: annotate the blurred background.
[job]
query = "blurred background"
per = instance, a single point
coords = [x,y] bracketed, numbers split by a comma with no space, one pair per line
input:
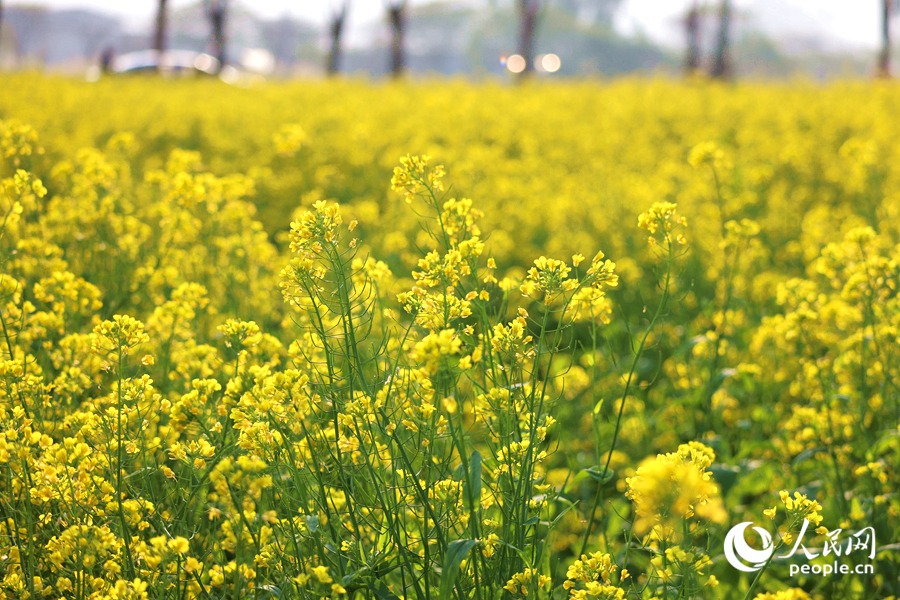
[818,39]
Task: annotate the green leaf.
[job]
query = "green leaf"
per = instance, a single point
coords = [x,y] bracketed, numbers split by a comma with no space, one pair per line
[474,480]
[271,591]
[475,477]
[724,475]
[382,592]
[604,476]
[312,521]
[581,475]
[808,453]
[456,552]
[594,473]
[559,517]
[881,445]
[516,550]
[347,579]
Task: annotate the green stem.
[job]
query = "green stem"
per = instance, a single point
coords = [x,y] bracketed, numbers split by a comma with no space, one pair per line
[637,356]
[759,575]
[120,458]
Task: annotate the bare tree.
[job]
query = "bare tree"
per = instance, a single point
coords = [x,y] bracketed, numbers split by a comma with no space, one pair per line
[159,39]
[884,57]
[337,28]
[721,68]
[529,11]
[216,10]
[692,26]
[397,17]
[106,59]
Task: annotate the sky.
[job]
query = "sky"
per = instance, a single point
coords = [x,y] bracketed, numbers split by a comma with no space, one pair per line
[849,23]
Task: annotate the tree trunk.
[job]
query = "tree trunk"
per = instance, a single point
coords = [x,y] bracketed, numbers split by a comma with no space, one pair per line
[529,11]
[692,24]
[884,57]
[159,39]
[337,28]
[216,11]
[722,66]
[397,16]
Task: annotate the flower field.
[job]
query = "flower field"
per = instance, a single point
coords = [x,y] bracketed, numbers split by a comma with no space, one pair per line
[434,340]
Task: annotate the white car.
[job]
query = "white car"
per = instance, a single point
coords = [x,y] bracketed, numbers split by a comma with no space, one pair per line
[172,61]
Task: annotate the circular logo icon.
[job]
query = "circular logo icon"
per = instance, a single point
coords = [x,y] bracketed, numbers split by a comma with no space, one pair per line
[737,550]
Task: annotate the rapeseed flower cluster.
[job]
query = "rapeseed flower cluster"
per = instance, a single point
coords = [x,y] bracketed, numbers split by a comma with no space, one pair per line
[672,487]
[442,405]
